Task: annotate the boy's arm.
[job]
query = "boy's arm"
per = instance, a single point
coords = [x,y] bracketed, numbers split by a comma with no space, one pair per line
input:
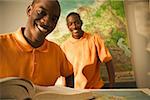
[70,81]
[111,73]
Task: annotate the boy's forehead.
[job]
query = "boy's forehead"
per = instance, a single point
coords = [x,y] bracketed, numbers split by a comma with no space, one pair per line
[47,4]
[73,17]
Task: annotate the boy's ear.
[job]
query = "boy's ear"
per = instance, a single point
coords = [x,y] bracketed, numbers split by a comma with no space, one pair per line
[28,11]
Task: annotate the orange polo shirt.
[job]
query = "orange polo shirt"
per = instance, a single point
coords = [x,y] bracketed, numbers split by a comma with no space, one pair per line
[84,55]
[41,65]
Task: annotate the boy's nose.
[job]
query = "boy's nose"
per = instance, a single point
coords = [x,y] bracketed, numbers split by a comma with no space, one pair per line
[45,20]
[74,25]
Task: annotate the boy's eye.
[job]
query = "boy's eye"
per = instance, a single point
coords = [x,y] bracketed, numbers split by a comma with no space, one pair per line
[77,22]
[41,12]
[69,24]
[55,18]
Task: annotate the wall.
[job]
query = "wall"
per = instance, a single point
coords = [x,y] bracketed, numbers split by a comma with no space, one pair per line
[139,40]
[12,14]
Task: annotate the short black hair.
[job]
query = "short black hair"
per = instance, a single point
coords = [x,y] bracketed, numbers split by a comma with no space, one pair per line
[35,1]
[72,14]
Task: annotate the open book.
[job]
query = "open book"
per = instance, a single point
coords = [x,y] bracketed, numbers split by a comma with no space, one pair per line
[15,88]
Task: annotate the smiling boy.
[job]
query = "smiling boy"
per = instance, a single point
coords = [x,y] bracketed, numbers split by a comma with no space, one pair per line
[26,53]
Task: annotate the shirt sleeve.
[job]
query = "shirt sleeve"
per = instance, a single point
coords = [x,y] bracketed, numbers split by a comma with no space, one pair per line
[103,52]
[66,67]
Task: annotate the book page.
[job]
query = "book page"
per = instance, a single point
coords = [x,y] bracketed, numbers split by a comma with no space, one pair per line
[65,93]
[62,93]
[15,88]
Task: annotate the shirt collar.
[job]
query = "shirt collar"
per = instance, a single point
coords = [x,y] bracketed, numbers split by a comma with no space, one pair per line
[74,40]
[25,46]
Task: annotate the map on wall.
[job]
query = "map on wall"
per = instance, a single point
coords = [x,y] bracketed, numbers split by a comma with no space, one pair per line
[107,18]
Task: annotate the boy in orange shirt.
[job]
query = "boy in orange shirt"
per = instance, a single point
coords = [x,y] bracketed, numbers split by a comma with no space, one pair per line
[85,52]
[26,53]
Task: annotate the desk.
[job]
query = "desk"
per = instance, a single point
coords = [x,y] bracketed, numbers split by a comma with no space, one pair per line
[65,93]
[121,94]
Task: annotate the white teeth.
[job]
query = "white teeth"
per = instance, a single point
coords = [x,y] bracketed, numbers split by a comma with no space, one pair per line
[41,28]
[75,31]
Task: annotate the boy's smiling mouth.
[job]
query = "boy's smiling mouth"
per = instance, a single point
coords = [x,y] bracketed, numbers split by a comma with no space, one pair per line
[43,29]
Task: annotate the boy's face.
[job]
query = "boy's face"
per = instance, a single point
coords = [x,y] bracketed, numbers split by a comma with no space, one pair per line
[74,24]
[42,18]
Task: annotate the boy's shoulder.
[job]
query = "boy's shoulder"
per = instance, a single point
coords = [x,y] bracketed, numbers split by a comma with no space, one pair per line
[5,35]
